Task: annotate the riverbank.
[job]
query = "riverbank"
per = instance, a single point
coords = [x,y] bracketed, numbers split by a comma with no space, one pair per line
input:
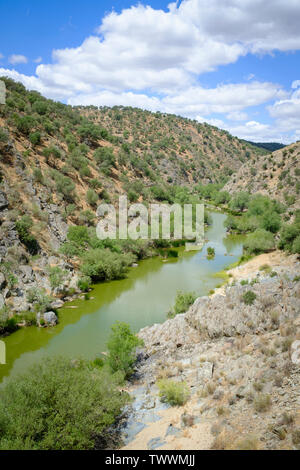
[138,299]
[235,358]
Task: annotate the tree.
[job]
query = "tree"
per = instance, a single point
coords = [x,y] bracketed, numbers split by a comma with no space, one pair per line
[121,347]
[59,405]
[259,241]
[240,201]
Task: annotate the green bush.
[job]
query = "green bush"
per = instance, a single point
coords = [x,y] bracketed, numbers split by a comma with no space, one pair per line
[25,124]
[59,405]
[210,252]
[84,283]
[288,236]
[240,201]
[3,136]
[8,323]
[101,264]
[173,393]
[38,297]
[296,245]
[40,107]
[183,301]
[56,276]
[249,297]
[259,241]
[121,347]
[35,138]
[23,226]
[91,197]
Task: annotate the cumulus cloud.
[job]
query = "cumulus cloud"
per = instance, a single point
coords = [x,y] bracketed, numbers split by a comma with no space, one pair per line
[17,59]
[261,26]
[295,84]
[287,112]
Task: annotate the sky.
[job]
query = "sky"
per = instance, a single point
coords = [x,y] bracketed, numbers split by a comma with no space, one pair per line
[232,63]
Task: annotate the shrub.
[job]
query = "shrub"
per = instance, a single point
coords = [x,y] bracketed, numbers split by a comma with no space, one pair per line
[101,264]
[288,234]
[262,402]
[23,227]
[7,323]
[35,138]
[64,185]
[296,245]
[51,151]
[249,442]
[249,297]
[92,197]
[210,253]
[40,107]
[56,276]
[173,393]
[259,241]
[84,283]
[121,347]
[3,136]
[182,303]
[39,297]
[25,124]
[240,201]
[38,175]
[58,404]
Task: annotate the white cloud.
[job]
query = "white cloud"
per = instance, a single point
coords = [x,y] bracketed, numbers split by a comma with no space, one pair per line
[38,60]
[222,99]
[15,59]
[237,116]
[256,132]
[287,113]
[262,26]
[295,84]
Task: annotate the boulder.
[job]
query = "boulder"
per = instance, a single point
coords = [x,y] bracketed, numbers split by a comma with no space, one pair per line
[49,318]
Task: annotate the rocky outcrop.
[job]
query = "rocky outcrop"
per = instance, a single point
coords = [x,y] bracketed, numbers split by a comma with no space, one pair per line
[238,362]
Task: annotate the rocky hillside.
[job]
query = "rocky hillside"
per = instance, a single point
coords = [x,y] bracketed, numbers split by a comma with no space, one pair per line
[276,175]
[233,351]
[57,163]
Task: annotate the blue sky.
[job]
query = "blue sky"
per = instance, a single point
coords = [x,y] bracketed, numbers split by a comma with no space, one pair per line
[231,63]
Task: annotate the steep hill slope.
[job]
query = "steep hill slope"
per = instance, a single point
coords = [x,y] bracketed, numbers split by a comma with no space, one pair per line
[276,175]
[57,163]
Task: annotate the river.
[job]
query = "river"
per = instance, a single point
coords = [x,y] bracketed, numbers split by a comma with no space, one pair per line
[142,299]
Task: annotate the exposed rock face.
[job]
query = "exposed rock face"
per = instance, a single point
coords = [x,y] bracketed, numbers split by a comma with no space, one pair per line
[236,360]
[170,335]
[3,201]
[276,299]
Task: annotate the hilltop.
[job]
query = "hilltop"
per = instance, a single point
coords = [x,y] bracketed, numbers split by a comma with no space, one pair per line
[276,175]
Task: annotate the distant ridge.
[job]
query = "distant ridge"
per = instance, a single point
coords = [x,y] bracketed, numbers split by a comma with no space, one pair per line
[271,146]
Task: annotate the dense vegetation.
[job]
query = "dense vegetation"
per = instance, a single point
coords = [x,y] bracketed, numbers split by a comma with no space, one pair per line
[64,404]
[270,146]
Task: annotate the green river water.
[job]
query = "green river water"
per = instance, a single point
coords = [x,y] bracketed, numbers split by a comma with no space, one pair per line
[142,299]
